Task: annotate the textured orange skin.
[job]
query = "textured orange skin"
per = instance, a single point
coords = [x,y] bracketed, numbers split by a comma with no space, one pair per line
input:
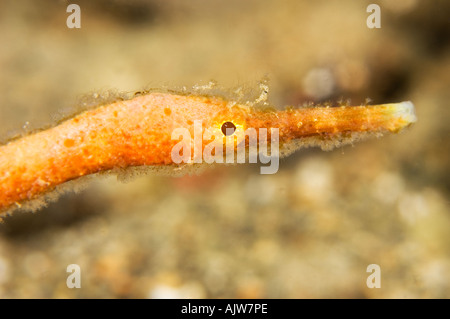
[138,132]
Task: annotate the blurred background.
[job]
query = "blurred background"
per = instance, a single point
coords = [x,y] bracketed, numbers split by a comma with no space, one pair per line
[309,230]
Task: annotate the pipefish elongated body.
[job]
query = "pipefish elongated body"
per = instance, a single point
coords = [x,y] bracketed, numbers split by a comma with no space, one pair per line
[138,132]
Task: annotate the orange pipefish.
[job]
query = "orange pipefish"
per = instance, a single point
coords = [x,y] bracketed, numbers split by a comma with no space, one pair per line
[138,132]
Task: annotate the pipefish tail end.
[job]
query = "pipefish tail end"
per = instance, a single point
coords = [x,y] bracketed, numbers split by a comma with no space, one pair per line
[149,130]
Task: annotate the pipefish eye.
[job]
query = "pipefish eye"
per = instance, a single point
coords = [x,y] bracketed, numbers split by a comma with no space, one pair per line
[228,128]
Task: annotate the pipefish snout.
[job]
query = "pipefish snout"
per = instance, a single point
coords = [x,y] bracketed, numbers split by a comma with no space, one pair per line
[139,131]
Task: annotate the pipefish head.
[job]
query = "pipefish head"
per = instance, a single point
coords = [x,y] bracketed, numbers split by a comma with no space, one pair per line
[323,126]
[214,123]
